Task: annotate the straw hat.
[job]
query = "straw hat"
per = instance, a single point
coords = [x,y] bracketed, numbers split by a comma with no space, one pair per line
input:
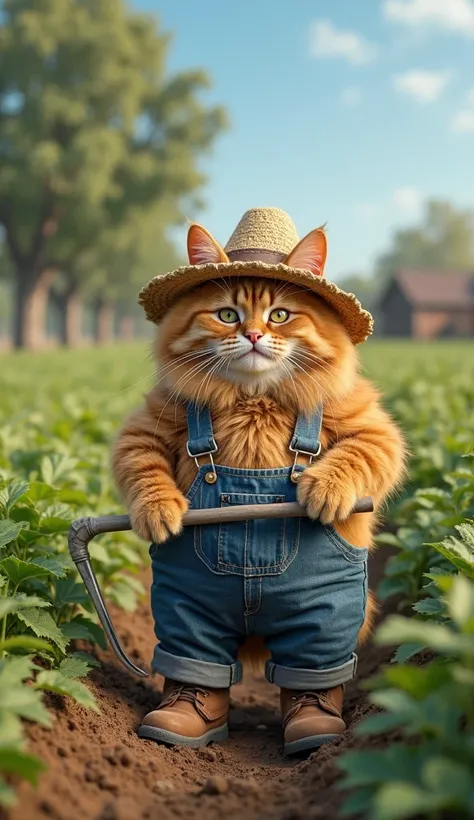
[264,244]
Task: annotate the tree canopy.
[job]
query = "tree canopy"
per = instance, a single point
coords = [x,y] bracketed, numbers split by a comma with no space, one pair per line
[99,147]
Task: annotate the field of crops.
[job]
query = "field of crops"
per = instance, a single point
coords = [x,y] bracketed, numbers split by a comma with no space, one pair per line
[58,414]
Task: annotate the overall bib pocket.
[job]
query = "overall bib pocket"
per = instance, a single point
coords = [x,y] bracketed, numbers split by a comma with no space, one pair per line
[354,555]
[249,548]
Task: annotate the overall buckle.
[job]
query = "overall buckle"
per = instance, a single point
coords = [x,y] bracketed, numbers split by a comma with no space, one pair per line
[211,476]
[312,455]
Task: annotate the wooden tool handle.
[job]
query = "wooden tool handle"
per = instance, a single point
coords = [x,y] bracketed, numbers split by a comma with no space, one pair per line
[250,512]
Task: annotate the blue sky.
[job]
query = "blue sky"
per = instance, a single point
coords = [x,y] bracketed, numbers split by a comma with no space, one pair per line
[350,112]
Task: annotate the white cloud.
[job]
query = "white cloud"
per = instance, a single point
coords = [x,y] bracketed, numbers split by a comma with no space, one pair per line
[424,86]
[351,97]
[448,15]
[463,122]
[408,200]
[327,41]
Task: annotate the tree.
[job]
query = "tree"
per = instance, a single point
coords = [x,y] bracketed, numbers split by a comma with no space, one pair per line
[92,133]
[443,241]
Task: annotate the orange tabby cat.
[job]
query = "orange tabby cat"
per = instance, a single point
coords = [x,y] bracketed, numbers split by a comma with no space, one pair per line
[307,359]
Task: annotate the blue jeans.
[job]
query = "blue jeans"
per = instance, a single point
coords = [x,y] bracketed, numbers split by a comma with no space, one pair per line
[295,582]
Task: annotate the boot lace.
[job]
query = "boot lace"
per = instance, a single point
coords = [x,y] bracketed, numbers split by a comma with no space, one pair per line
[318,699]
[191,694]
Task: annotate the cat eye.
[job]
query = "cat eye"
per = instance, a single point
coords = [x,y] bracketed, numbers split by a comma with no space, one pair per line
[279,316]
[228,315]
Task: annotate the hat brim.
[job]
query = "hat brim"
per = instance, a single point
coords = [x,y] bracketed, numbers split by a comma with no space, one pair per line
[162,291]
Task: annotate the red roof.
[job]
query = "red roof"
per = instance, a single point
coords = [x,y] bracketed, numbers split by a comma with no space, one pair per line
[436,289]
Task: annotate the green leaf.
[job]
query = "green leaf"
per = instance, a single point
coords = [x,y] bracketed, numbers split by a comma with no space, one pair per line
[83,629]
[89,659]
[397,801]
[69,591]
[27,642]
[376,724]
[123,595]
[440,638]
[74,667]
[388,539]
[7,795]
[18,571]
[458,552]
[11,730]
[447,777]
[358,803]
[19,602]
[429,606]
[398,566]
[406,651]
[10,530]
[43,625]
[54,681]
[391,586]
[15,697]
[54,566]
[76,498]
[39,491]
[393,700]
[14,761]
[364,768]
[14,670]
[10,494]
[418,681]
[53,525]
[460,601]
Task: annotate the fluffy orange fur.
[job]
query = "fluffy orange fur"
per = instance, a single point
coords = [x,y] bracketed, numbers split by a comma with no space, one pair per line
[254,399]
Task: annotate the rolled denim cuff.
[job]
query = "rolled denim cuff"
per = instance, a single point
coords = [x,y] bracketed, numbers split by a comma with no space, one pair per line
[201,673]
[291,678]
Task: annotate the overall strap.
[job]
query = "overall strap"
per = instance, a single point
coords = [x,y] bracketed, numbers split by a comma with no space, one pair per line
[201,441]
[307,431]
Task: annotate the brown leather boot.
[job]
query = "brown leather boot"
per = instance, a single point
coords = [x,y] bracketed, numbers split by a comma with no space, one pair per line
[188,716]
[311,718]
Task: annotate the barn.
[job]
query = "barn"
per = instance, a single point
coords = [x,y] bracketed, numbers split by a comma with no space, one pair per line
[424,304]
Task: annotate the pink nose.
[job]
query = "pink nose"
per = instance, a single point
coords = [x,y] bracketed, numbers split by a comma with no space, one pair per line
[254,336]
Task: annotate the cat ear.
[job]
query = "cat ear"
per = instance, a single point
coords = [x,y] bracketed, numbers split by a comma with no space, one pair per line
[203,248]
[310,254]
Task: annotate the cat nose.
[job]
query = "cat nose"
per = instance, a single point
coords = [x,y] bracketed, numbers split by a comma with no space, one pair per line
[254,335]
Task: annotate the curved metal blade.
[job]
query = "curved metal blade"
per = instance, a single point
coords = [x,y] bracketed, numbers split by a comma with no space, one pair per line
[80,533]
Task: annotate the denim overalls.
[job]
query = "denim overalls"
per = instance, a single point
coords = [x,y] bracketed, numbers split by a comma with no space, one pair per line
[293,581]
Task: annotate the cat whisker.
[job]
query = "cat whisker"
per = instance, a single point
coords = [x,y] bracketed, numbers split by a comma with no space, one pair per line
[290,375]
[181,359]
[208,376]
[182,383]
[312,358]
[318,384]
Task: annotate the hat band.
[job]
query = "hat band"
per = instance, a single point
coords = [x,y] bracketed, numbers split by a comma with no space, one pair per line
[256,255]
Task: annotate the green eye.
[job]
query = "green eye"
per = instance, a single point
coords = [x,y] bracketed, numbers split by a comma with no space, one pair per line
[228,315]
[279,316]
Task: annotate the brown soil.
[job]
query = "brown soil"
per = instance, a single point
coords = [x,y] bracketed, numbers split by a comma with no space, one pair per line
[98,769]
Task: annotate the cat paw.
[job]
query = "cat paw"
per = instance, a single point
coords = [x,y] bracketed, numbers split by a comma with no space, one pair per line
[326,495]
[157,521]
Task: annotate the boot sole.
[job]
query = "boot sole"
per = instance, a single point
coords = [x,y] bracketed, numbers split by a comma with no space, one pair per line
[307,743]
[219,735]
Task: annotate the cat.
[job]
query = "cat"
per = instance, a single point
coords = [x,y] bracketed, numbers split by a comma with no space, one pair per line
[303,356]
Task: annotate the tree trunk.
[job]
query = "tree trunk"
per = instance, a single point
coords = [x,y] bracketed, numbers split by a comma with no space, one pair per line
[31,301]
[104,321]
[127,327]
[70,307]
